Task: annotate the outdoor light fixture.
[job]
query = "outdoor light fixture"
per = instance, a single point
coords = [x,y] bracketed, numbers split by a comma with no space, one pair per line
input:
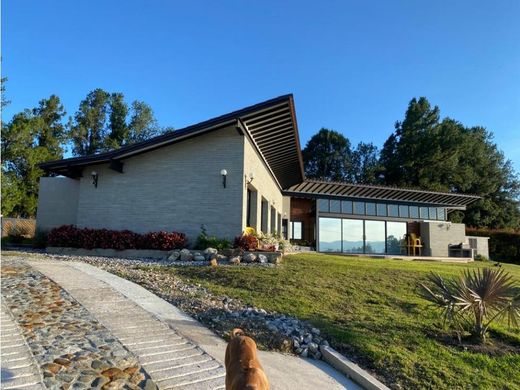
[250,179]
[223,172]
[94,178]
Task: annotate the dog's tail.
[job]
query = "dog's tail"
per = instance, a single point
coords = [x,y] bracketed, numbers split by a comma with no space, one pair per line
[237,332]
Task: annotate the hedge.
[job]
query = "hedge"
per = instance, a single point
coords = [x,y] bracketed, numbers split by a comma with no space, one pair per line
[504,245]
[71,236]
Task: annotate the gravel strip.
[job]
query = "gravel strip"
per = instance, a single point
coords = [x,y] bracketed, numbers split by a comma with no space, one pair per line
[72,349]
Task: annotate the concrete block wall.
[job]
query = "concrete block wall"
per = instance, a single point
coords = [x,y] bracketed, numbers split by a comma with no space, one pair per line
[437,236]
[57,202]
[174,188]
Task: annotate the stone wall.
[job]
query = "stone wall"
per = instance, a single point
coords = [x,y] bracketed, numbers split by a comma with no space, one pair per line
[57,202]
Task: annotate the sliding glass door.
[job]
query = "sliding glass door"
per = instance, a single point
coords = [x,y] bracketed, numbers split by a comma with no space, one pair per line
[352,236]
[360,236]
[375,237]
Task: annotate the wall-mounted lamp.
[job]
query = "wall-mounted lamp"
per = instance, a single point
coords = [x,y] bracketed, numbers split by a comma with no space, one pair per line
[249,179]
[94,178]
[223,172]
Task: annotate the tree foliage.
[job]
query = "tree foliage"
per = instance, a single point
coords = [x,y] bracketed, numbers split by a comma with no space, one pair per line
[31,137]
[443,155]
[104,122]
[327,156]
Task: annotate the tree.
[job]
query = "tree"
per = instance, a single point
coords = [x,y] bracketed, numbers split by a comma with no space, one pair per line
[88,130]
[365,164]
[118,129]
[103,122]
[143,124]
[327,156]
[430,154]
[31,137]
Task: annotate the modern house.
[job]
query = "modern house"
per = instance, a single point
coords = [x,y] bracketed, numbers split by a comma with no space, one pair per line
[243,169]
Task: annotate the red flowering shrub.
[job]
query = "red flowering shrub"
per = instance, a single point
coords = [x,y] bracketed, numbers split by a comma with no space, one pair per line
[71,236]
[164,240]
[246,242]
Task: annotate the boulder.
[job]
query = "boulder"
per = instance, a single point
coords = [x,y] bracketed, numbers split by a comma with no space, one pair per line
[275,258]
[175,255]
[235,260]
[186,255]
[198,257]
[249,258]
[262,258]
[221,258]
[210,251]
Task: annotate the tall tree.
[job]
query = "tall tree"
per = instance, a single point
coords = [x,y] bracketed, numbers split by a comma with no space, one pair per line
[143,124]
[118,129]
[31,137]
[327,156]
[89,128]
[365,164]
[427,153]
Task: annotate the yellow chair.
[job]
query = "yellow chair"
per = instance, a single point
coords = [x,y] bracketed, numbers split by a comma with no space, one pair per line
[414,243]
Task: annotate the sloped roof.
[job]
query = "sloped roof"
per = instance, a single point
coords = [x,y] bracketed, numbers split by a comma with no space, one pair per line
[271,126]
[374,192]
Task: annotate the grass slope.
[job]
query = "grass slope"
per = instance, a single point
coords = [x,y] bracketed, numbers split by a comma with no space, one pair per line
[371,311]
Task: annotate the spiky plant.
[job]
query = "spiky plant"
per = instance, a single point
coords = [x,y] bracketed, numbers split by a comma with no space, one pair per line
[475,299]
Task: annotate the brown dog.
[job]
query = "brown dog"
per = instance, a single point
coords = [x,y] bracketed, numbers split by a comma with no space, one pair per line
[243,369]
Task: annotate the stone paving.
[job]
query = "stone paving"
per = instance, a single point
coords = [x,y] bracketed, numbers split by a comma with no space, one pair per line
[72,349]
[171,360]
[19,370]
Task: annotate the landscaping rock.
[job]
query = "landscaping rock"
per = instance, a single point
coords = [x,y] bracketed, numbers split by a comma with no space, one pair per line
[235,260]
[198,257]
[275,258]
[262,258]
[210,251]
[249,258]
[175,255]
[186,255]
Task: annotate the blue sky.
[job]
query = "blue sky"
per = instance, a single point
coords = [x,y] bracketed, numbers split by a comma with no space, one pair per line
[353,66]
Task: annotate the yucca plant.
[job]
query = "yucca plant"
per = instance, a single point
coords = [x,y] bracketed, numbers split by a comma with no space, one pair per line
[474,300]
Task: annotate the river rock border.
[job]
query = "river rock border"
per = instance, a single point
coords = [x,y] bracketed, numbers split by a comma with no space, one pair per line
[180,257]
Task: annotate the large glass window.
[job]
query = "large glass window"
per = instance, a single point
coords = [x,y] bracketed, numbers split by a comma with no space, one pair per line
[296,230]
[352,236]
[433,213]
[359,208]
[371,208]
[403,211]
[414,212]
[374,236]
[335,206]
[393,210]
[330,235]
[265,211]
[423,212]
[395,237]
[323,205]
[441,214]
[346,207]
[381,209]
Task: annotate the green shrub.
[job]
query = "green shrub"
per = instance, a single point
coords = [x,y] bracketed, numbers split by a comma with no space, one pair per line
[204,241]
[504,245]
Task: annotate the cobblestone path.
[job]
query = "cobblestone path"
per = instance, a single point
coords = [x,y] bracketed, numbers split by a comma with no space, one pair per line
[71,348]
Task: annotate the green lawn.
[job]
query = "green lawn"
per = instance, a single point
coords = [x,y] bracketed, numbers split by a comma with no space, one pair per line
[370,310]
